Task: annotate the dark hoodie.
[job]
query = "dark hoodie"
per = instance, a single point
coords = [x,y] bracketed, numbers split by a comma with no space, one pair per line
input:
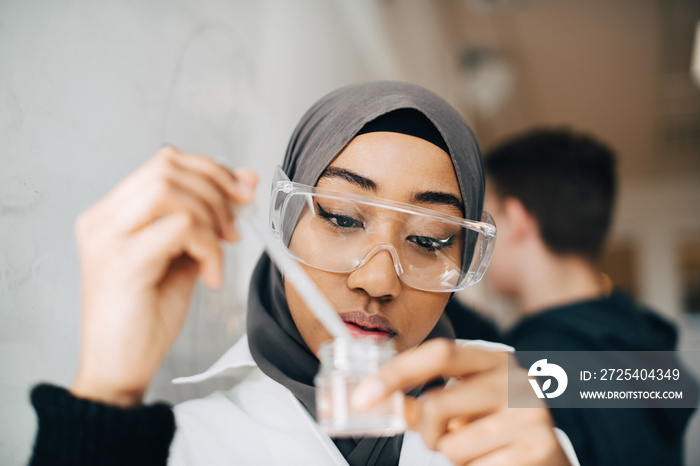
[614,323]
[604,437]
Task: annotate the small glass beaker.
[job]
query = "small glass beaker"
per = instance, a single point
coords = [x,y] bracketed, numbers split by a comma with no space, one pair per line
[344,363]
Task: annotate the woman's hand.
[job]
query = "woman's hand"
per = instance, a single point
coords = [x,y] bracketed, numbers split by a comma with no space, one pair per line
[141,250]
[468,420]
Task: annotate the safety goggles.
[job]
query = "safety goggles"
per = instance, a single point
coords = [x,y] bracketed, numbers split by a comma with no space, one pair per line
[340,232]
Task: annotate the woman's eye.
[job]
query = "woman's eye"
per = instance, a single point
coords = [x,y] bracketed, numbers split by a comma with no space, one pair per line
[431,244]
[342,221]
[345,221]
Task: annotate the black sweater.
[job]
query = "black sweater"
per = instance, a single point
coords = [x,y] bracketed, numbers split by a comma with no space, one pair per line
[74,431]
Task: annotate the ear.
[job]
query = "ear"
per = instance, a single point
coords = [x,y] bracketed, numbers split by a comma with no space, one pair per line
[522,224]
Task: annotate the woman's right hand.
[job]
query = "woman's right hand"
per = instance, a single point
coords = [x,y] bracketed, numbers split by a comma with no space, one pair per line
[141,250]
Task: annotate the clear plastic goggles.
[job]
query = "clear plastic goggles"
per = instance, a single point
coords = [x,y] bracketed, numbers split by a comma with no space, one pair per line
[340,232]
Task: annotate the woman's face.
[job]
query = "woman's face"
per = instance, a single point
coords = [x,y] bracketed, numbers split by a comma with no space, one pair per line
[372,300]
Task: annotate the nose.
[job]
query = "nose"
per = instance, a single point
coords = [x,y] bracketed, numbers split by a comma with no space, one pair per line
[377,277]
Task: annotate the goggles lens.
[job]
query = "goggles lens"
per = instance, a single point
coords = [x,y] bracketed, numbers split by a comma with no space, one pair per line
[340,232]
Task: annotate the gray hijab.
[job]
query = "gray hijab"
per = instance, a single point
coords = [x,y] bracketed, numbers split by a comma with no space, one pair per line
[323,132]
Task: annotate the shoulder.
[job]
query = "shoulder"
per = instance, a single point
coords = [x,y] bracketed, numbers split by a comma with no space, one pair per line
[610,323]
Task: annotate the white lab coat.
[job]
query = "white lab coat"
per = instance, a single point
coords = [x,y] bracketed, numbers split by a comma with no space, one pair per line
[260,422]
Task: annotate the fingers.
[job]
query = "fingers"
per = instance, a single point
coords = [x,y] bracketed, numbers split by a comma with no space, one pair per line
[477,438]
[537,446]
[443,409]
[238,185]
[173,181]
[164,197]
[214,201]
[180,202]
[433,359]
[469,419]
[500,436]
[173,236]
[247,177]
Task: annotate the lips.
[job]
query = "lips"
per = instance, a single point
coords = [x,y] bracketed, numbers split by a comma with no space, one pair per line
[364,325]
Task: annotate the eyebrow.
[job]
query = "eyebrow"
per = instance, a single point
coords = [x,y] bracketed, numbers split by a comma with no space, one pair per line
[436,197]
[427,197]
[347,175]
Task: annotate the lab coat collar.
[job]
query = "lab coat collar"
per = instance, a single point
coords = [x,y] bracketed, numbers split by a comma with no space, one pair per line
[235,361]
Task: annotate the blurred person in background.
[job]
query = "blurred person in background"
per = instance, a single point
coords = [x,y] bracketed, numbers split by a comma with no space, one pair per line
[551,193]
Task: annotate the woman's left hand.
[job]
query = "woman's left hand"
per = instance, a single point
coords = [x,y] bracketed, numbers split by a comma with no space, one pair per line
[468,420]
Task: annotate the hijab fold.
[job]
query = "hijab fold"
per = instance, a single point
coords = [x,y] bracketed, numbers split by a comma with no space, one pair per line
[323,132]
